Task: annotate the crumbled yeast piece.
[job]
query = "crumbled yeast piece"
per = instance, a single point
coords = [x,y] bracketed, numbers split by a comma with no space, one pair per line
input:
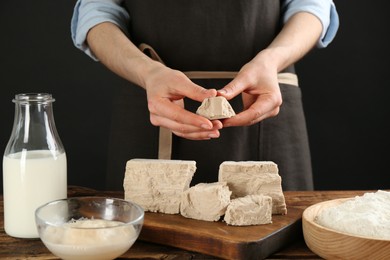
[215,108]
[205,201]
[249,210]
[254,178]
[157,185]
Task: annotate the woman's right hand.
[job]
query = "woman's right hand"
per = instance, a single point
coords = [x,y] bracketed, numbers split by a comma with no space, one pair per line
[166,89]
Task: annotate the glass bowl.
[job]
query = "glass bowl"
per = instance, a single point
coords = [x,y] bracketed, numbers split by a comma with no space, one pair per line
[89,227]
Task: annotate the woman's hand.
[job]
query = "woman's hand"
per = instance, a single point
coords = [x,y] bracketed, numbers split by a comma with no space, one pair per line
[257,81]
[166,90]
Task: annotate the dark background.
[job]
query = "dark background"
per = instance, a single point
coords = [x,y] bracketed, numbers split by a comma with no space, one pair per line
[346,91]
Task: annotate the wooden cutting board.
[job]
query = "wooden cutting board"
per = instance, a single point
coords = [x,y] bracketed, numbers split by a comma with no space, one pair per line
[217,238]
[220,240]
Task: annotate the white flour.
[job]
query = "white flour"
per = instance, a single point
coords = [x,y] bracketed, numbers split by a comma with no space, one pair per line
[367,215]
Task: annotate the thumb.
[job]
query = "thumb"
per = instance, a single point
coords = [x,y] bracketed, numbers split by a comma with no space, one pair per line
[232,89]
[198,93]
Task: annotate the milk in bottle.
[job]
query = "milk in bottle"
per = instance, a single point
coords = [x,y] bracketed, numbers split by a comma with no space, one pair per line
[34,164]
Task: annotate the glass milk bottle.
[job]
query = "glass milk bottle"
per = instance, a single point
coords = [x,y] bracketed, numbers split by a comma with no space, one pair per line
[34,164]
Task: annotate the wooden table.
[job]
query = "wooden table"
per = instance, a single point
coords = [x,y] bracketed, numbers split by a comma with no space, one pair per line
[14,248]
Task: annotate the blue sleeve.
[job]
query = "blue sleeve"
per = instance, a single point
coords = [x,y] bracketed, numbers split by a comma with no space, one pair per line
[325,11]
[88,13]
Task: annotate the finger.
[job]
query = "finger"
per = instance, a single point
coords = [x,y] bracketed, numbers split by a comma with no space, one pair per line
[234,87]
[164,108]
[198,135]
[260,110]
[188,131]
[246,119]
[177,126]
[217,124]
[248,100]
[196,92]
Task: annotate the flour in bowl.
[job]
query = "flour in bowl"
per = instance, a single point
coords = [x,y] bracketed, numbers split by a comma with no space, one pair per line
[367,215]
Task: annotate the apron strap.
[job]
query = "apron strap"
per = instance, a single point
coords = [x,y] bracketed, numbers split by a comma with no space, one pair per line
[165,135]
[165,143]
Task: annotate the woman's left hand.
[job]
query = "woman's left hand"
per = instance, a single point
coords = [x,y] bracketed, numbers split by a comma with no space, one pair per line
[258,84]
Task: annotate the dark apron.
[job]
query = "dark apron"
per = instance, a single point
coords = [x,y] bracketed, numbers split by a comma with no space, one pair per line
[209,35]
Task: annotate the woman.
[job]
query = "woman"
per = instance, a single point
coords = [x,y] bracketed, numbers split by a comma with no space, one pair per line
[242,50]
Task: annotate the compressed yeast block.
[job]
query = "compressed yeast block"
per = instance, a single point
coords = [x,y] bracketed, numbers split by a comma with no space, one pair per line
[249,210]
[215,108]
[254,178]
[157,185]
[205,201]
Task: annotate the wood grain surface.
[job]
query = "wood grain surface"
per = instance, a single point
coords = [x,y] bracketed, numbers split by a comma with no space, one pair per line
[221,240]
[14,248]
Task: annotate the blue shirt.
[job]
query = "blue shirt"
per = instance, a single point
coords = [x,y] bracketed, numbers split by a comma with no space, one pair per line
[88,13]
